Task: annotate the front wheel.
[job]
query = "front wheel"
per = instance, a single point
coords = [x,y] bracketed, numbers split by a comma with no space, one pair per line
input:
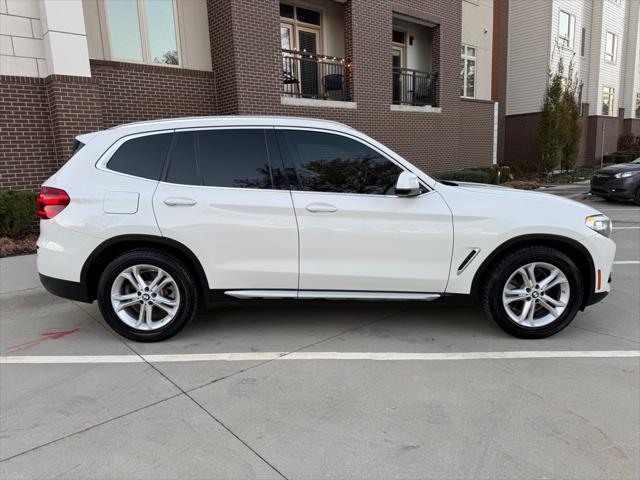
[533,292]
[146,296]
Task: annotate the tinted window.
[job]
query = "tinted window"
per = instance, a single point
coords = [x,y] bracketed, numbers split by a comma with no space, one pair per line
[182,160]
[142,156]
[308,16]
[332,163]
[286,10]
[234,158]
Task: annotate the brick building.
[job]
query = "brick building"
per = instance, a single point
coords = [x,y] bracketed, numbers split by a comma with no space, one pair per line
[418,75]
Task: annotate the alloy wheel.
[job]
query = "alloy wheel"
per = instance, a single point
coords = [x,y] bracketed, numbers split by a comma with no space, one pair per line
[536,294]
[145,297]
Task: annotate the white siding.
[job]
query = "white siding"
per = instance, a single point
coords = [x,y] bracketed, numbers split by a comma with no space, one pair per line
[477,31]
[582,13]
[528,54]
[631,60]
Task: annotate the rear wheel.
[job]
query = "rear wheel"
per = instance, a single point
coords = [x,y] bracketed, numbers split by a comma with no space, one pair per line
[637,199]
[533,292]
[146,296]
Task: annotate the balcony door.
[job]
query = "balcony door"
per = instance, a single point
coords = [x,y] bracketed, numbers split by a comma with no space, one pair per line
[300,39]
[397,62]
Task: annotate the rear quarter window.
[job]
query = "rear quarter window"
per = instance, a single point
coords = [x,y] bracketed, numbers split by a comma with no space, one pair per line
[142,156]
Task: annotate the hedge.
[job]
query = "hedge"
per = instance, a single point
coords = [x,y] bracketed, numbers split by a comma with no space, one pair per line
[497,173]
[476,176]
[17,211]
[620,157]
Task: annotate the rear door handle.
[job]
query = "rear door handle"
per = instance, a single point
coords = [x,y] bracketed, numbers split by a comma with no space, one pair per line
[321,208]
[179,202]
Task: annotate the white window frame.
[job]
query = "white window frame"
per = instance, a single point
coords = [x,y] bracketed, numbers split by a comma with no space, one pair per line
[465,57]
[296,25]
[611,57]
[612,100]
[144,36]
[569,40]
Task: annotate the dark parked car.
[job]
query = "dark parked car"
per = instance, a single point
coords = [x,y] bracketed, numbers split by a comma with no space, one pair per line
[618,182]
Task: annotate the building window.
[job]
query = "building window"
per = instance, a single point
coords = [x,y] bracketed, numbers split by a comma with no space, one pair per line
[608,98]
[300,29]
[468,71]
[611,47]
[583,40]
[637,105]
[566,28]
[143,31]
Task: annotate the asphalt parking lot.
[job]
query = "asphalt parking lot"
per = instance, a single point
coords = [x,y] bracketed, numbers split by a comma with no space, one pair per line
[434,409]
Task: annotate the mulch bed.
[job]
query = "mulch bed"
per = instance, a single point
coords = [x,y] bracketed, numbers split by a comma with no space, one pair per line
[24,244]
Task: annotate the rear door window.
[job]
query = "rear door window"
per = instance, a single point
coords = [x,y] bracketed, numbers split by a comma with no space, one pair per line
[234,158]
[183,167]
[142,156]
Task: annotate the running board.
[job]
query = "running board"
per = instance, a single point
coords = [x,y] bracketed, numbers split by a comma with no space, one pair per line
[331,295]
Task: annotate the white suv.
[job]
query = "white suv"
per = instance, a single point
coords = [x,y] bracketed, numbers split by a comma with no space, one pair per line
[155,218]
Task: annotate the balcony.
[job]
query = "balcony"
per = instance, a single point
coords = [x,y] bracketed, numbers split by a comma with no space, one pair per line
[414,87]
[414,64]
[308,75]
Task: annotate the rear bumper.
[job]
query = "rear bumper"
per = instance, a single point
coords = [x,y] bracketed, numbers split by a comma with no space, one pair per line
[66,289]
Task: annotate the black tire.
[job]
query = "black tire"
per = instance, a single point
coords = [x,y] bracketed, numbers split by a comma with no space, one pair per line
[637,199]
[183,279]
[499,273]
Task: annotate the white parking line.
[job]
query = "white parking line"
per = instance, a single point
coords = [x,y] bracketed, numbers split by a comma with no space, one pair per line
[626,228]
[263,356]
[627,262]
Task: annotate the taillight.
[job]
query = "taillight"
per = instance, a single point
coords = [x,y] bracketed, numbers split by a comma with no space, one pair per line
[50,202]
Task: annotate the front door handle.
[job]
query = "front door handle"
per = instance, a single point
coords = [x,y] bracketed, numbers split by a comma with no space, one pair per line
[321,208]
[179,202]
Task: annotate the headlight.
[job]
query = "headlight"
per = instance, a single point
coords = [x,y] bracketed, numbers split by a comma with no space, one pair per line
[599,223]
[625,174]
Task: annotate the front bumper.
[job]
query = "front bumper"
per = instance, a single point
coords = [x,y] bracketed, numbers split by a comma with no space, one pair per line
[602,251]
[615,188]
[595,298]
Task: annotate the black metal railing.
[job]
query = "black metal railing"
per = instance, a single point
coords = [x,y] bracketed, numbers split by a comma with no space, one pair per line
[308,75]
[414,87]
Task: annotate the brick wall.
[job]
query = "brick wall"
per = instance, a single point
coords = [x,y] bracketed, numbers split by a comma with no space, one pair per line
[39,118]
[74,108]
[27,153]
[431,140]
[132,92]
[476,132]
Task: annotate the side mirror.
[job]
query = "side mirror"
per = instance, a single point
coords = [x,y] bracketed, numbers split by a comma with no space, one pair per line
[407,185]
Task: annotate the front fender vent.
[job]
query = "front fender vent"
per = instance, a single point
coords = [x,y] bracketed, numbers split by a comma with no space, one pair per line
[465,263]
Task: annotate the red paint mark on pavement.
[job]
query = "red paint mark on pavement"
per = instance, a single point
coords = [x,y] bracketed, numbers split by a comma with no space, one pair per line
[43,336]
[63,333]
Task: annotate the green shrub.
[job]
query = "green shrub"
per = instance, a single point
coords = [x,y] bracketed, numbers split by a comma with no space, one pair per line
[17,211]
[497,173]
[607,158]
[476,176]
[622,157]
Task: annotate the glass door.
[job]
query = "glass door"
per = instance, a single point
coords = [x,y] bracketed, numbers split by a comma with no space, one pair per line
[308,45]
[397,61]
